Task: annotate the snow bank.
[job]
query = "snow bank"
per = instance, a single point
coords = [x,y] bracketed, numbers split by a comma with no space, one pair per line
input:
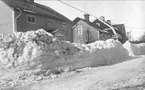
[39,49]
[135,49]
[102,53]
[33,49]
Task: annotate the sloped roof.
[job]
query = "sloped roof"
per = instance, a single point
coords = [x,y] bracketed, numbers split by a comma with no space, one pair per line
[102,25]
[117,27]
[89,23]
[120,28]
[35,8]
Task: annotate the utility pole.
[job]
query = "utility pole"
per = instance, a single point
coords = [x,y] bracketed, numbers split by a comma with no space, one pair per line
[85,9]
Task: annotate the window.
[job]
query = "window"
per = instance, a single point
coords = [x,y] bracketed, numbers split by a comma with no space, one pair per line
[64,24]
[79,30]
[31,19]
[98,24]
[50,22]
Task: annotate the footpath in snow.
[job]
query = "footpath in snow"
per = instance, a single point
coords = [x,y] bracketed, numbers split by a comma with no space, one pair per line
[128,75]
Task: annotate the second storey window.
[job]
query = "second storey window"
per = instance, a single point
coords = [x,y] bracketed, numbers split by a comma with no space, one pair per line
[50,22]
[31,19]
[64,24]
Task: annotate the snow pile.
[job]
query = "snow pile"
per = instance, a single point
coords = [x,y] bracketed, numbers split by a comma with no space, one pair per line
[102,53]
[135,49]
[98,45]
[39,49]
[33,49]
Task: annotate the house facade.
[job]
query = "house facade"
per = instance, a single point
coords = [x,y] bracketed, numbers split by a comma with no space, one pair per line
[107,26]
[121,29]
[26,15]
[84,31]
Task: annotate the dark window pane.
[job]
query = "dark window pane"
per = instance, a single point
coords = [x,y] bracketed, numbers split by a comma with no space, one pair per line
[33,19]
[29,19]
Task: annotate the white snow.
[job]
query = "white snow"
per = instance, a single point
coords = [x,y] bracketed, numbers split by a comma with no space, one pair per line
[135,49]
[39,49]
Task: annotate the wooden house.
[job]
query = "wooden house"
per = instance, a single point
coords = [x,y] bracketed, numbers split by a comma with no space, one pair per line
[107,26]
[120,28]
[85,31]
[26,15]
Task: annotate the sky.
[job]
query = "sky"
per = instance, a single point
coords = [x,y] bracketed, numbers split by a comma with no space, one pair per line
[129,12]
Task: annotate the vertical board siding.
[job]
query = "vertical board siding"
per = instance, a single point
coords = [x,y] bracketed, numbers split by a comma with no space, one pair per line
[93,31]
[42,23]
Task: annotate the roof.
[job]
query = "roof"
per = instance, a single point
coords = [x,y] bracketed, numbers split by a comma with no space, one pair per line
[35,8]
[89,23]
[117,27]
[101,24]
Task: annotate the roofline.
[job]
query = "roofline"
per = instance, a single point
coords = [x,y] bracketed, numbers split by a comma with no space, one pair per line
[30,11]
[107,25]
[55,11]
[7,5]
[75,25]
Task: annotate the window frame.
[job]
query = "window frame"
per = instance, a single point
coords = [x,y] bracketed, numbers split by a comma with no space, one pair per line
[31,17]
[98,24]
[79,30]
[50,24]
[64,24]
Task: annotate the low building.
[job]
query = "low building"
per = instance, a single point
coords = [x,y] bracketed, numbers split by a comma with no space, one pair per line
[85,31]
[107,26]
[26,15]
[121,29]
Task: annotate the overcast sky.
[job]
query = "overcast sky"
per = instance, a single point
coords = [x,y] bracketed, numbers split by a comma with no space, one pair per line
[131,13]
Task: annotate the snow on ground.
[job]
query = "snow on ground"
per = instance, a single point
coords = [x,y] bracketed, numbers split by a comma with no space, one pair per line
[128,75]
[30,56]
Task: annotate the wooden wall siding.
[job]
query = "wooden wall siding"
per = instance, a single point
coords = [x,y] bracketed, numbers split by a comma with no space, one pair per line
[6,19]
[42,23]
[105,36]
[84,37]
[88,37]
[78,35]
[67,31]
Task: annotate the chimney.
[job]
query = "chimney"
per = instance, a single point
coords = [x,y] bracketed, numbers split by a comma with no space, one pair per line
[102,18]
[86,17]
[109,22]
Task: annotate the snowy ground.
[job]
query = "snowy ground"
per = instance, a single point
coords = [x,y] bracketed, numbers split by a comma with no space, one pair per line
[38,61]
[123,76]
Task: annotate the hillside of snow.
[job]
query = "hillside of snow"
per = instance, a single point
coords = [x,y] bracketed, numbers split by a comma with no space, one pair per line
[34,56]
